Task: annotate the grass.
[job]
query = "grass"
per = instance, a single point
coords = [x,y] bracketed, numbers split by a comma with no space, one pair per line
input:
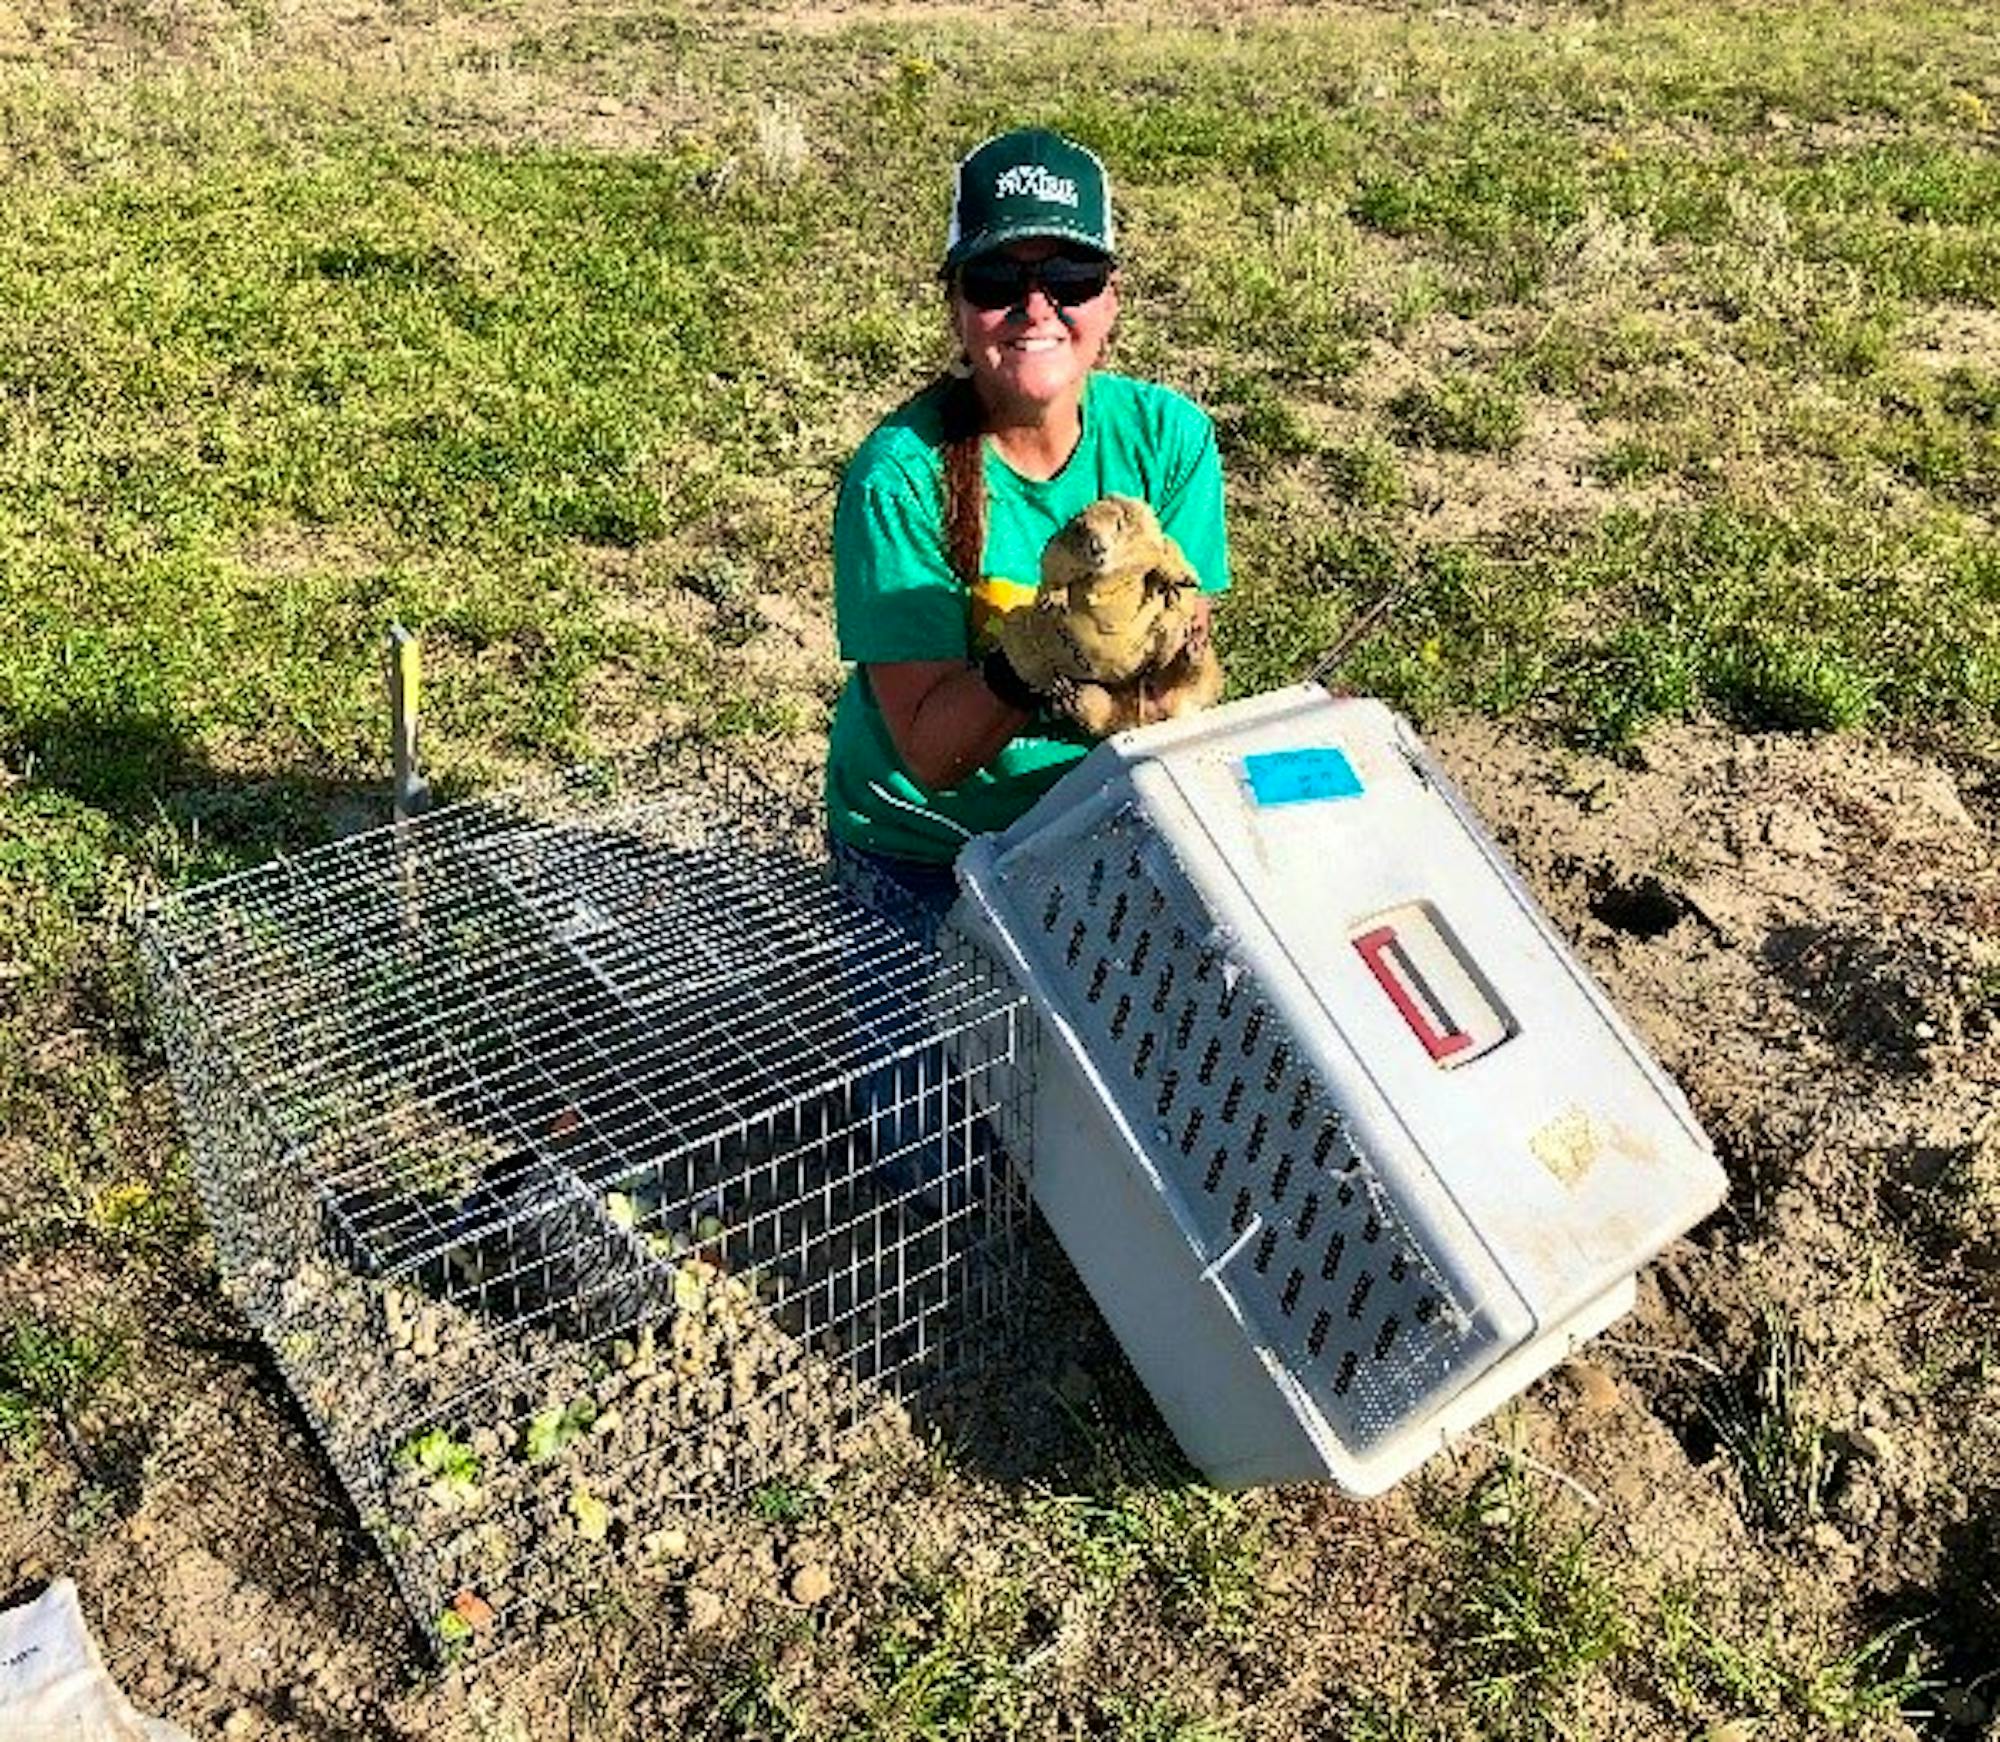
[1143,1529]
[1472,413]
[948,1663]
[1534,1616]
[1162,1720]
[1753,614]
[1761,1420]
[1774,1677]
[749,1696]
[373,374]
[783,1501]
[547,333]
[49,1377]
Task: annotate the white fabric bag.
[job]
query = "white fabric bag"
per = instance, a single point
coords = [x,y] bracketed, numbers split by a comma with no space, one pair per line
[53,1684]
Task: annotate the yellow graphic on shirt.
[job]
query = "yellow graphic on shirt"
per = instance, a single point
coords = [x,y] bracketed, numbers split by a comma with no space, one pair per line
[992,598]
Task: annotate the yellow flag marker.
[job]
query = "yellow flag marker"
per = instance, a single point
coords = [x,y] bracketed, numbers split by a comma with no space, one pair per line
[412,791]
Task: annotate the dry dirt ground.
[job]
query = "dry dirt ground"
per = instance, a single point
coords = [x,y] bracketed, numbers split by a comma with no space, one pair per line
[1808,933]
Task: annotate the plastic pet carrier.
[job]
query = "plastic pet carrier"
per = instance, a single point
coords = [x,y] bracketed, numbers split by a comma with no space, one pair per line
[1340,1135]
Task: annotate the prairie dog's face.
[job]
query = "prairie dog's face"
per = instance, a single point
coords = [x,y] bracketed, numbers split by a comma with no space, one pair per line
[1099,538]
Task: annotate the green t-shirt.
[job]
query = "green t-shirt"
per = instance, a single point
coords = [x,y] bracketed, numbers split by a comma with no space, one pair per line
[895,596]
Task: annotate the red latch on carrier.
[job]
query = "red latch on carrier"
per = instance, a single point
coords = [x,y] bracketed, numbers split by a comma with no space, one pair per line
[1433,985]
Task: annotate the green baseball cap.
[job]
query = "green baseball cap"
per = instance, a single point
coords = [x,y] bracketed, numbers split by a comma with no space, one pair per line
[1028,183]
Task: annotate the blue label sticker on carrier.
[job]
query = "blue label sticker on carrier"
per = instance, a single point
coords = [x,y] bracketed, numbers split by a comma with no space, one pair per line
[1296,776]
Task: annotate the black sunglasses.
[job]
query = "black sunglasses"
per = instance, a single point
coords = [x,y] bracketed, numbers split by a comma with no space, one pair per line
[996,281]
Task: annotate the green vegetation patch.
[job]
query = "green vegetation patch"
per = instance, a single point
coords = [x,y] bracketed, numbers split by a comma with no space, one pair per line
[949,1660]
[1473,413]
[1535,1616]
[49,1375]
[1772,618]
[1768,1674]
[1143,1528]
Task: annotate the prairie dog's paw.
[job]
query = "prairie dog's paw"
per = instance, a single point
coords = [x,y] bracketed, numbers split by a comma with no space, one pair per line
[1190,683]
[1098,710]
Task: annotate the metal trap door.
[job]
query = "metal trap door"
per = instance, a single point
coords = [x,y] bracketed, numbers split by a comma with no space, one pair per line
[731,958]
[530,1246]
[669,934]
[1229,1109]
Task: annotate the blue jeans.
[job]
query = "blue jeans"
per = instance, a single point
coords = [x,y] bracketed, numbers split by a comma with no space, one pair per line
[911,895]
[904,1102]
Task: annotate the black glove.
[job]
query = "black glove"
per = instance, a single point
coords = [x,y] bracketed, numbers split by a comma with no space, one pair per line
[997,672]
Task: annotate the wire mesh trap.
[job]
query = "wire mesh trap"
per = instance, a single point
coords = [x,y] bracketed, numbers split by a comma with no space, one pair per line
[587,1163]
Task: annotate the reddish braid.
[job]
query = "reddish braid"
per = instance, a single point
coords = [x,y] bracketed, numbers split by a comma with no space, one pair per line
[964,479]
